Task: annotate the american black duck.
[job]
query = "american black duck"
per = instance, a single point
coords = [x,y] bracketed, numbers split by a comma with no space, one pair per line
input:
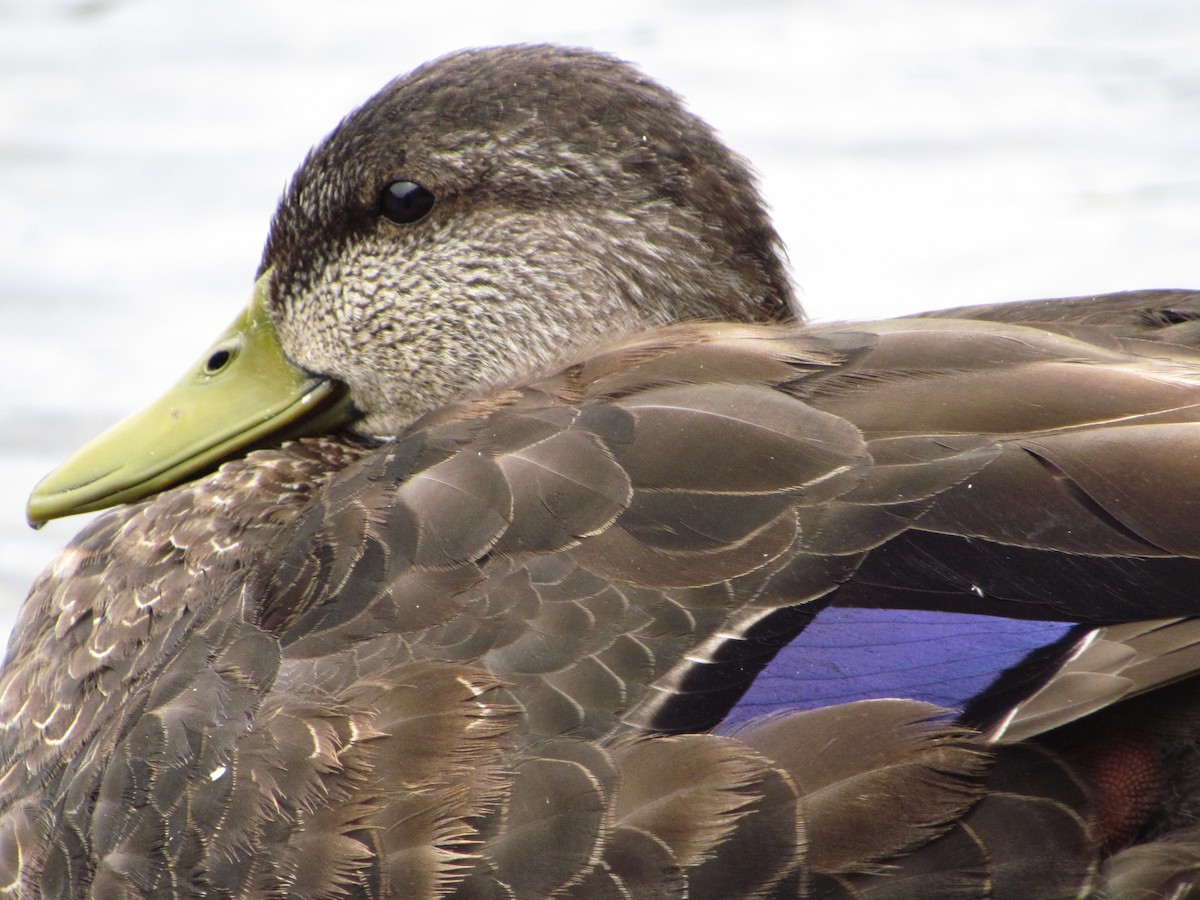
[588,503]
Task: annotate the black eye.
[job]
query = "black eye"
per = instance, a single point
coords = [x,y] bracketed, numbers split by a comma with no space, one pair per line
[405,202]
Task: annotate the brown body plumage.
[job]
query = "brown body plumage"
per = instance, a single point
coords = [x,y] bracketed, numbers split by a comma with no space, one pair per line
[485,658]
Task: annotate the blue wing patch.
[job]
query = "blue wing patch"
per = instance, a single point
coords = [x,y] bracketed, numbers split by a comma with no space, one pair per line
[972,663]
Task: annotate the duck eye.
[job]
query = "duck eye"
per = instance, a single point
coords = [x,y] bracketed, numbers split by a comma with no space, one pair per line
[405,202]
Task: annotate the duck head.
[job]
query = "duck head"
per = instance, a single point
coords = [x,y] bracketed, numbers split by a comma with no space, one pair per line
[490,215]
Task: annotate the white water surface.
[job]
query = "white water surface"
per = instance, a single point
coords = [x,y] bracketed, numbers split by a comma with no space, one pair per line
[917,154]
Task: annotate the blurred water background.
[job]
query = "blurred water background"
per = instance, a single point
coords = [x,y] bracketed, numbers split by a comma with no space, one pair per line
[917,154]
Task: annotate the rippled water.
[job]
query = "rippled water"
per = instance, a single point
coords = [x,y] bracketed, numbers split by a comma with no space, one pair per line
[919,153]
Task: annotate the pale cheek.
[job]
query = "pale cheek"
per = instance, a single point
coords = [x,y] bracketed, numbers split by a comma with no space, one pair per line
[413,326]
[310,340]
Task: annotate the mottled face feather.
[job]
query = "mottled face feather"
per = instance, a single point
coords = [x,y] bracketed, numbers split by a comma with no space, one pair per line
[575,201]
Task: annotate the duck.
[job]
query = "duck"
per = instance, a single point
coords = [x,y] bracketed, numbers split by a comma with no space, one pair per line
[522,540]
